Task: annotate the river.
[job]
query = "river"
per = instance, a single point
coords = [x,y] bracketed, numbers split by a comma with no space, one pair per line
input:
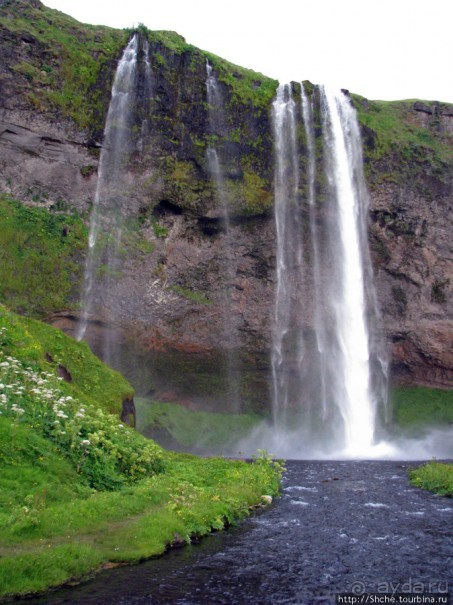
[339,527]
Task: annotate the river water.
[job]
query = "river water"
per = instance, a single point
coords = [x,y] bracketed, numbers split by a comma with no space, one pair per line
[338,527]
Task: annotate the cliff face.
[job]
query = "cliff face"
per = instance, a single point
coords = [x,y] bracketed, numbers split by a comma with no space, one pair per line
[180,258]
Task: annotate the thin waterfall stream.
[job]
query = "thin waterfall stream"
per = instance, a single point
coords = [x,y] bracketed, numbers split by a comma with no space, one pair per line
[124,134]
[228,266]
[105,222]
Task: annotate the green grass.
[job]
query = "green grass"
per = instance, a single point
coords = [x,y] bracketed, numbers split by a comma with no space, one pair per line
[248,86]
[436,477]
[40,256]
[207,431]
[401,139]
[194,497]
[196,297]
[41,346]
[70,79]
[77,488]
[418,407]
[80,415]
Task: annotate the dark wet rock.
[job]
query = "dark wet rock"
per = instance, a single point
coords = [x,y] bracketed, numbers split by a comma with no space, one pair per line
[128,412]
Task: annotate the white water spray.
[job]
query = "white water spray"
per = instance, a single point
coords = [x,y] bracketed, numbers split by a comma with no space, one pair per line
[355,399]
[319,321]
[286,185]
[216,126]
[106,214]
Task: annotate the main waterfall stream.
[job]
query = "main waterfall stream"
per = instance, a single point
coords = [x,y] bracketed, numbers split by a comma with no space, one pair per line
[328,362]
[339,527]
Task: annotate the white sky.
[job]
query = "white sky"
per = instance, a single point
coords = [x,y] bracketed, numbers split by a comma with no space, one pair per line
[381,49]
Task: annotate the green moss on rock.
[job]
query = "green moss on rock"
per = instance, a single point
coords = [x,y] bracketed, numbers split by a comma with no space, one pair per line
[66,65]
[40,254]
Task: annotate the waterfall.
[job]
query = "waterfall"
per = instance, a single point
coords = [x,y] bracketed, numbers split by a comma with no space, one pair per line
[230,322]
[104,257]
[328,362]
[354,398]
[289,249]
[318,318]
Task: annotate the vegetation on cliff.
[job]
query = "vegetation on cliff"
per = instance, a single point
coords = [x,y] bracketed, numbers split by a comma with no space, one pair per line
[405,139]
[64,66]
[66,69]
[40,258]
[78,487]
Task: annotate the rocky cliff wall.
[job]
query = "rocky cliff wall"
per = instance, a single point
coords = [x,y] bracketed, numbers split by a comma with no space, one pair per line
[170,296]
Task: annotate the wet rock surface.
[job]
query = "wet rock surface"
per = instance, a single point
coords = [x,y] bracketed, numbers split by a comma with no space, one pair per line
[339,527]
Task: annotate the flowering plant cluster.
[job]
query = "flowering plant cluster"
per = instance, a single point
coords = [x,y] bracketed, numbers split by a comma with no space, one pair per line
[103,450]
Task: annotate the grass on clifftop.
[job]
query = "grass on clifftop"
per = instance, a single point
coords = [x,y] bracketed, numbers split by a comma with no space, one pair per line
[400,134]
[436,477]
[65,71]
[247,85]
[39,251]
[79,489]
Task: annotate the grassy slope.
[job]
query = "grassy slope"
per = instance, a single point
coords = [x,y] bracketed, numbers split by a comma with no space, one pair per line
[46,348]
[66,76]
[78,489]
[205,431]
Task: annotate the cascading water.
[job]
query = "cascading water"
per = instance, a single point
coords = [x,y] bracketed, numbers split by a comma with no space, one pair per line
[289,251]
[216,127]
[327,364]
[354,398]
[318,319]
[104,261]
[107,201]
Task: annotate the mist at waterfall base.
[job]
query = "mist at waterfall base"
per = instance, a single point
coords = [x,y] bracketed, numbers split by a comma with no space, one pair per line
[328,356]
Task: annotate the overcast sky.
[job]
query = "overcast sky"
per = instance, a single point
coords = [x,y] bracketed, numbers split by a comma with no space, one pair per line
[381,49]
